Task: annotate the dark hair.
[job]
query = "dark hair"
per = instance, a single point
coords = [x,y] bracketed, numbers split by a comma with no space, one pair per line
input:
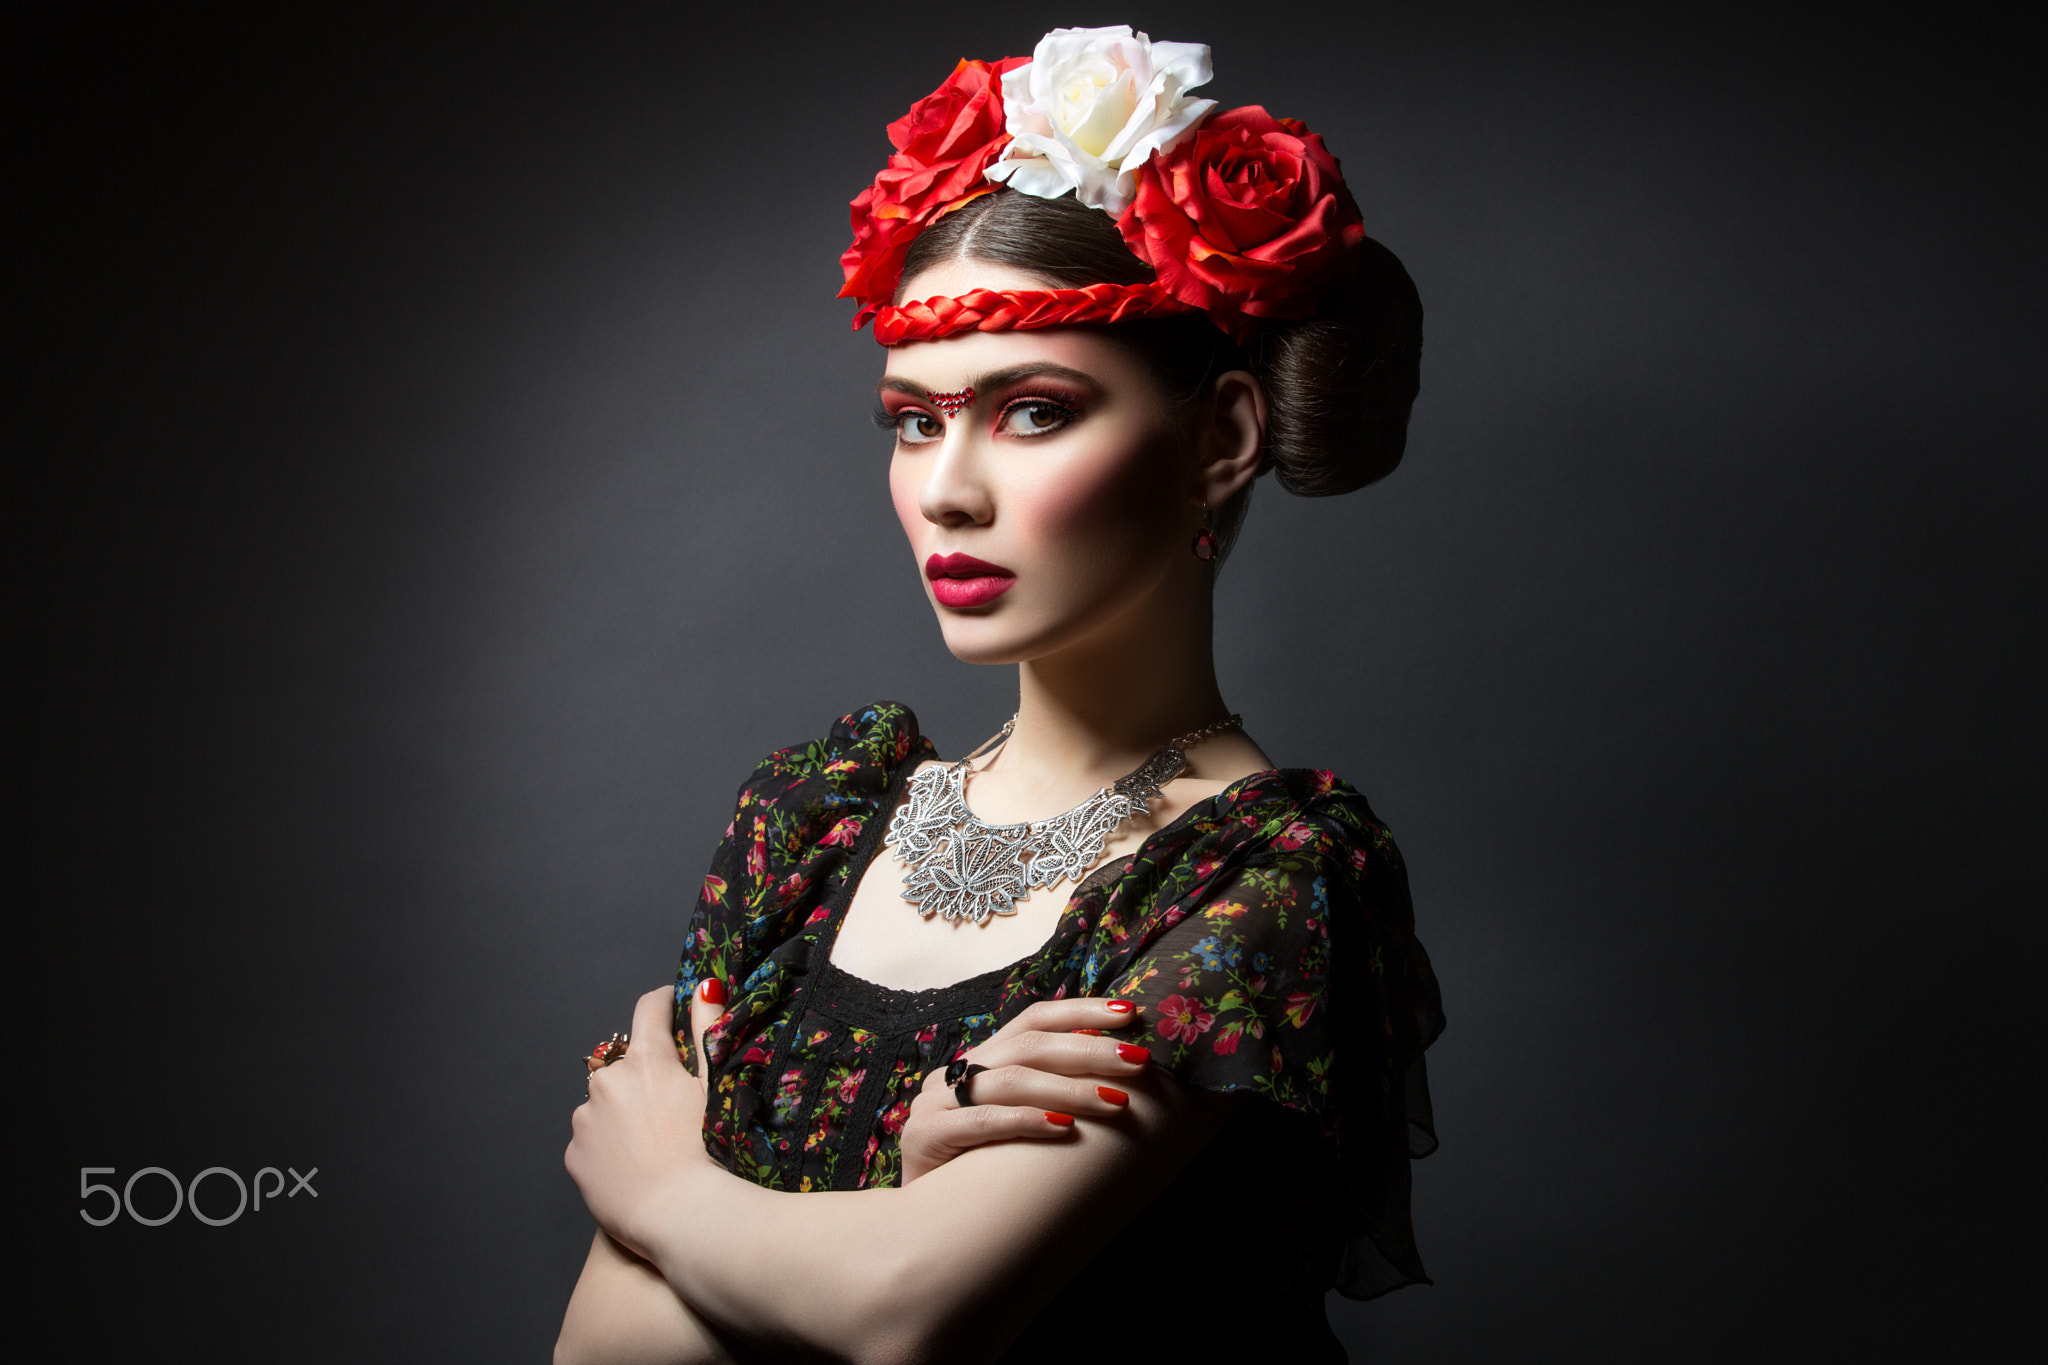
[1339,385]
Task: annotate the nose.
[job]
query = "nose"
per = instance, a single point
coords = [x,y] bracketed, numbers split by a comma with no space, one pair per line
[955,491]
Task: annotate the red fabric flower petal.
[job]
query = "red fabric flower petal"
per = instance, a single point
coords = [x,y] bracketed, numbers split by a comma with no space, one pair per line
[943,146]
[1247,218]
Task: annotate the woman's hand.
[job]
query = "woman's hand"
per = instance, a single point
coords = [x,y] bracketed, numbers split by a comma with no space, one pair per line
[623,1311]
[1045,1068]
[643,1122]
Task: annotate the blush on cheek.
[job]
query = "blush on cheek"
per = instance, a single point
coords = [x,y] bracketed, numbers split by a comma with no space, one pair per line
[903,494]
[1100,502]
[1090,533]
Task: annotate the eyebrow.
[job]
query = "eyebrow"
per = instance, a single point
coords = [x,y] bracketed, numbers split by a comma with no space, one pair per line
[993,380]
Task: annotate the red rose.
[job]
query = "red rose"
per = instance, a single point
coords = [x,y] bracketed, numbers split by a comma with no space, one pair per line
[942,146]
[1247,218]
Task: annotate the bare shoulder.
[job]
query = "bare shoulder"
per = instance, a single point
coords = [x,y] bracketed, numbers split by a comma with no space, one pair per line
[1205,782]
[1213,769]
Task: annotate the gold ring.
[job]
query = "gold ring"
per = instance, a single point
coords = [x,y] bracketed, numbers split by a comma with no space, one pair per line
[605,1053]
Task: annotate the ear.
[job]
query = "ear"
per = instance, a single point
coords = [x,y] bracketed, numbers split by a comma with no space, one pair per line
[1233,437]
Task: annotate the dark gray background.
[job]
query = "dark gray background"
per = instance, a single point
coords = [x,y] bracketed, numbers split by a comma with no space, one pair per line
[445,470]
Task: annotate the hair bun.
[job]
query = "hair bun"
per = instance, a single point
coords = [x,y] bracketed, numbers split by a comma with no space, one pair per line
[1340,385]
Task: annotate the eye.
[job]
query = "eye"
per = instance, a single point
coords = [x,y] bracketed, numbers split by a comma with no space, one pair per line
[1034,417]
[914,428]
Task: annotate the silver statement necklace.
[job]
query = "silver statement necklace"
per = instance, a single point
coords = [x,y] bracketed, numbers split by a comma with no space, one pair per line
[962,867]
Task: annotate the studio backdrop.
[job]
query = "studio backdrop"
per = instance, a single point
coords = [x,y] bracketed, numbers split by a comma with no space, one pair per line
[443,470]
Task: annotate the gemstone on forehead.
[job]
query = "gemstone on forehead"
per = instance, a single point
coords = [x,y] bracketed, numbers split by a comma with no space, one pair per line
[951,403]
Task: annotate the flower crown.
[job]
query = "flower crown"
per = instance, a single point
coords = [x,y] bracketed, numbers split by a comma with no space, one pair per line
[1241,215]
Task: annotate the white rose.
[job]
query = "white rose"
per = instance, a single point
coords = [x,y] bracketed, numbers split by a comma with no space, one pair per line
[1090,106]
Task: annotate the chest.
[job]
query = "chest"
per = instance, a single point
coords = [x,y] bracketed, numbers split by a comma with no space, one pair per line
[885,939]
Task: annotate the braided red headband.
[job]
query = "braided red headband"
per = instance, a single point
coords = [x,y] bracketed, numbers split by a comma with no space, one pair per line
[1022,310]
[1241,215]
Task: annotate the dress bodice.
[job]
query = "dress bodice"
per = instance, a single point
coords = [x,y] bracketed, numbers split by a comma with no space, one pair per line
[1265,935]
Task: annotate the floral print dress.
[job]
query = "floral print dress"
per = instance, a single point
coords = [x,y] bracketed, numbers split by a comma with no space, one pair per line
[1266,936]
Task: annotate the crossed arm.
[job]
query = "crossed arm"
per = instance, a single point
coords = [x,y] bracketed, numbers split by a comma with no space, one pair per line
[694,1264]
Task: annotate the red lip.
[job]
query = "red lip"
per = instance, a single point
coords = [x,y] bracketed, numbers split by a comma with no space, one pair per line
[964,581]
[963,566]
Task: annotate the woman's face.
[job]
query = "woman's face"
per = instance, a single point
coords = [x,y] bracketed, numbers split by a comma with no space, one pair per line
[1062,497]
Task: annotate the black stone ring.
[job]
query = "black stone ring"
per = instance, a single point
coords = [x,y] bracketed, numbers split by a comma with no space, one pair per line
[958,1073]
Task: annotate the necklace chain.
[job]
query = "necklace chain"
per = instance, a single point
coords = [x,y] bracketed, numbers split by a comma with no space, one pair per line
[1233,721]
[962,867]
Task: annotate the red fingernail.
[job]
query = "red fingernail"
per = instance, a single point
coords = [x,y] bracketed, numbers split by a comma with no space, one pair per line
[1123,1006]
[1131,1052]
[1112,1094]
[711,991]
[1091,1032]
[1060,1120]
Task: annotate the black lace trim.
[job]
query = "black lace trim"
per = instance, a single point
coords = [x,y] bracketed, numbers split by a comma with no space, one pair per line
[883,1009]
[855,1000]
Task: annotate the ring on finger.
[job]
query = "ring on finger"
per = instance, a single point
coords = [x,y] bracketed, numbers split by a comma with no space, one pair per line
[602,1056]
[605,1053]
[958,1073]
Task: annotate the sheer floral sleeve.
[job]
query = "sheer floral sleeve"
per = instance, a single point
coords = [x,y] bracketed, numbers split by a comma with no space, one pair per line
[1230,995]
[1293,975]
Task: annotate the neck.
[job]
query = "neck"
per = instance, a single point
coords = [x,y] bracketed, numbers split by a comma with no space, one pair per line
[1101,706]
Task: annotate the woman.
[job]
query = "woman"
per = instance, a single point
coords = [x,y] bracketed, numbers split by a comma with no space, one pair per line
[1141,1061]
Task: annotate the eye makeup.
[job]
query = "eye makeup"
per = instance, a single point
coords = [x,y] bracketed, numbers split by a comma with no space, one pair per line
[1028,406]
[1017,417]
